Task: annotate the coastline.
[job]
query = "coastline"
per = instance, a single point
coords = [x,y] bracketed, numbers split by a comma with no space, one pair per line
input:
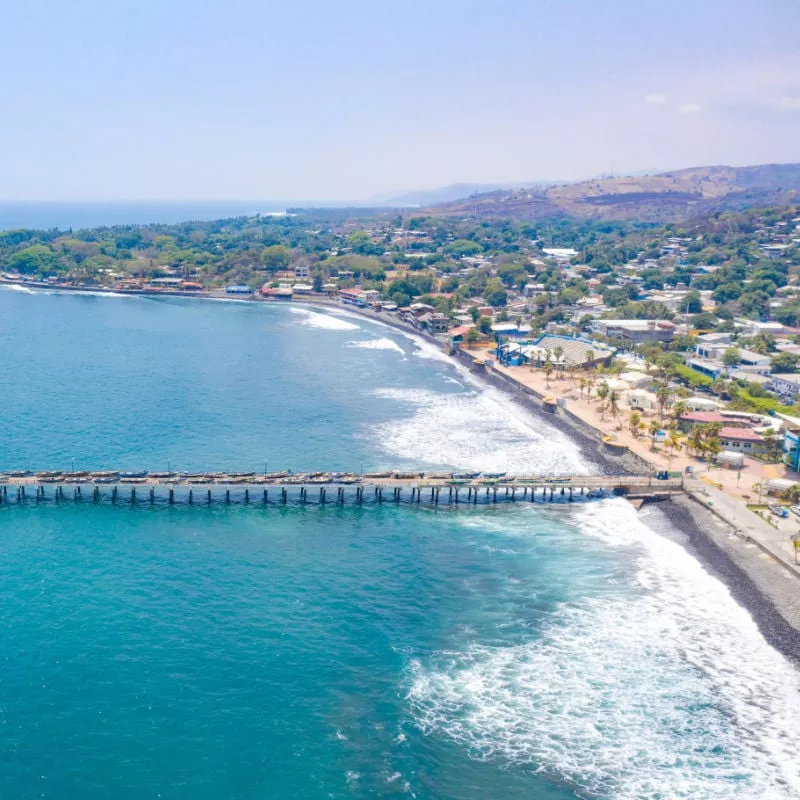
[757,582]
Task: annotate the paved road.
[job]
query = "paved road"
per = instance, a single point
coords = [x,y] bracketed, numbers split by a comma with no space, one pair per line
[777,542]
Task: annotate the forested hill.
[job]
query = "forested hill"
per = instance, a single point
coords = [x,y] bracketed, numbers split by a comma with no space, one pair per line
[666,197]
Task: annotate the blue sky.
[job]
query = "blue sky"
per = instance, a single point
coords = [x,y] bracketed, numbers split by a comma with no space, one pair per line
[249,99]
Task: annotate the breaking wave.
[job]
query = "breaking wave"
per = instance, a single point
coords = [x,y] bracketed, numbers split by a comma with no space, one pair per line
[315,319]
[660,689]
[377,344]
[475,430]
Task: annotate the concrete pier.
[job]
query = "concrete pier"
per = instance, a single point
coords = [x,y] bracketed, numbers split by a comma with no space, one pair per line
[350,490]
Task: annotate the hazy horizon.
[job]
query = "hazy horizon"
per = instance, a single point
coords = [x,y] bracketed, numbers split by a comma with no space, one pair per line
[155,102]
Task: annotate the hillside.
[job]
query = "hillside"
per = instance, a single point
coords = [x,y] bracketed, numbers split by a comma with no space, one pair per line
[455,191]
[665,197]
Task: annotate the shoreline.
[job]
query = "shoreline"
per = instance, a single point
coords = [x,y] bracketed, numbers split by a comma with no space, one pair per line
[756,581]
[762,586]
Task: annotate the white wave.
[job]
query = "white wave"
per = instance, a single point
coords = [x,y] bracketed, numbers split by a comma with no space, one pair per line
[377,344]
[15,287]
[327,322]
[669,692]
[475,430]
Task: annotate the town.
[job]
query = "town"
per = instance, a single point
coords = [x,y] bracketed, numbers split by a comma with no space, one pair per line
[680,344]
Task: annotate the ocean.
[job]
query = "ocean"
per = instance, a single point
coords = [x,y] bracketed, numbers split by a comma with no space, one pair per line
[78,215]
[551,652]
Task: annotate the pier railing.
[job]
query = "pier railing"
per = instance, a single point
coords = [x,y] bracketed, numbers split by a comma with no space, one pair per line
[326,488]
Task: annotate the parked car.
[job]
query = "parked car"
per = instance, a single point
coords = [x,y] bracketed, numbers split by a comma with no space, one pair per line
[778,511]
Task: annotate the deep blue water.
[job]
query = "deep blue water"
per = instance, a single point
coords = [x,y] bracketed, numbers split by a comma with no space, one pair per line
[236,652]
[77,215]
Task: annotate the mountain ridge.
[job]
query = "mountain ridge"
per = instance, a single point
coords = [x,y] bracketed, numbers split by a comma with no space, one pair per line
[671,196]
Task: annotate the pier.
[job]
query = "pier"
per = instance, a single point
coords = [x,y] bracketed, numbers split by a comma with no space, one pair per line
[326,488]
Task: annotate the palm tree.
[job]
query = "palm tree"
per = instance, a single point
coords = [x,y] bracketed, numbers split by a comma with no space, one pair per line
[548,371]
[654,428]
[664,397]
[719,387]
[591,379]
[673,440]
[589,356]
[613,403]
[582,383]
[771,440]
[712,446]
[679,409]
[602,393]
[635,421]
[558,352]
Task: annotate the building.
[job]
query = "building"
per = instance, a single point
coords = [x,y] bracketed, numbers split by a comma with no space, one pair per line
[688,420]
[352,297]
[302,288]
[433,322]
[744,440]
[560,254]
[238,289]
[786,384]
[301,272]
[635,331]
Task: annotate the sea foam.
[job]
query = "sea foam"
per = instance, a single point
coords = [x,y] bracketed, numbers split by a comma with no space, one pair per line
[475,430]
[315,319]
[377,344]
[663,689]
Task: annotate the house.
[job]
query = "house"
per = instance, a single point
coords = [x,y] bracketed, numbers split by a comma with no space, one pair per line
[459,334]
[635,331]
[301,272]
[573,349]
[785,383]
[744,440]
[434,322]
[238,289]
[774,250]
[302,288]
[754,363]
[688,420]
[640,399]
[560,254]
[352,297]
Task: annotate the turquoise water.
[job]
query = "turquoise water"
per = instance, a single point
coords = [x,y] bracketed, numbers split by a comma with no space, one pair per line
[521,652]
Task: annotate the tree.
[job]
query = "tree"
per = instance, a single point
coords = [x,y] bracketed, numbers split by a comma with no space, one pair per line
[613,403]
[673,440]
[603,391]
[485,325]
[731,357]
[548,371]
[664,396]
[558,354]
[692,303]
[771,441]
[784,362]
[634,421]
[472,336]
[275,258]
[463,247]
[317,283]
[712,446]
[34,259]
[679,409]
[654,429]
[589,356]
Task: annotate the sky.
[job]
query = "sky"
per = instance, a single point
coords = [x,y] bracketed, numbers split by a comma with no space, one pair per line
[346,100]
